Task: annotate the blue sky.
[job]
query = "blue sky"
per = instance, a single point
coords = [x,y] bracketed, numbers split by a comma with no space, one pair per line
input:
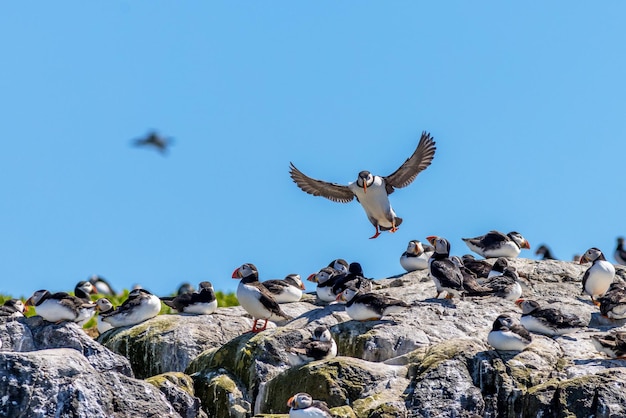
[526,103]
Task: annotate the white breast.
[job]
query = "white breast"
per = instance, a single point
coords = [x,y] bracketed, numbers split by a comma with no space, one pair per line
[149,308]
[507,249]
[535,325]
[103,326]
[307,413]
[375,202]
[326,294]
[361,312]
[414,263]
[289,294]
[600,277]
[202,308]
[249,298]
[506,341]
[52,311]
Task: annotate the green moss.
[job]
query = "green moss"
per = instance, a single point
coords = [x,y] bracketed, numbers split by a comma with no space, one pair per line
[220,395]
[178,379]
[458,348]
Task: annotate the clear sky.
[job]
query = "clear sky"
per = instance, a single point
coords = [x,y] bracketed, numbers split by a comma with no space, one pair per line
[526,103]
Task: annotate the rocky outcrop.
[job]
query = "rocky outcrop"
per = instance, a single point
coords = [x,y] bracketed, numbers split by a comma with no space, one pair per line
[431,360]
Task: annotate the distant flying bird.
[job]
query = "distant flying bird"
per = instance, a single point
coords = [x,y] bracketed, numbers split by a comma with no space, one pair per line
[158,142]
[372,191]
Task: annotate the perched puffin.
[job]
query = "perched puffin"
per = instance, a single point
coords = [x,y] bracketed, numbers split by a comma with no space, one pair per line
[321,346]
[544,252]
[507,335]
[255,298]
[506,286]
[303,406]
[140,306]
[355,278]
[12,308]
[612,344]
[446,275]
[286,290]
[369,306]
[620,252]
[201,302]
[83,289]
[102,286]
[599,276]
[613,302]
[60,306]
[372,191]
[480,268]
[496,244]
[498,267]
[104,307]
[340,265]
[416,256]
[547,321]
[471,286]
[325,279]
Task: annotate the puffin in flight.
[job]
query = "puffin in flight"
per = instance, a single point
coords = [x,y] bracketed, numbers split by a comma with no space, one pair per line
[372,191]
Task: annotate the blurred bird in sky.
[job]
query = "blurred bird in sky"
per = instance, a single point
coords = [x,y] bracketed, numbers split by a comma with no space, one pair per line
[154,140]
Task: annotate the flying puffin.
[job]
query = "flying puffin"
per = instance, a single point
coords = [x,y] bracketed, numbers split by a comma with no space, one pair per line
[140,306]
[599,276]
[496,244]
[416,256]
[104,307]
[445,274]
[201,302]
[612,344]
[321,346]
[286,290]
[60,306]
[303,406]
[255,298]
[83,289]
[613,302]
[545,252]
[507,335]
[325,279]
[369,306]
[620,252]
[373,191]
[547,321]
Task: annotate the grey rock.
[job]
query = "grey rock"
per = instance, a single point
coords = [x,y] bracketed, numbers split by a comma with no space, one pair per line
[179,392]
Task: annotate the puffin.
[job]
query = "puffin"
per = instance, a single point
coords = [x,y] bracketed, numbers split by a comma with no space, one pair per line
[598,277]
[102,286]
[547,321]
[507,335]
[497,244]
[320,346]
[613,302]
[61,306]
[140,306]
[354,278]
[103,306]
[544,252]
[480,268]
[12,309]
[255,298]
[185,287]
[340,265]
[83,289]
[303,406]
[369,306]
[202,302]
[612,344]
[445,274]
[325,279]
[286,290]
[416,256]
[620,252]
[471,286]
[498,267]
[372,191]
[506,286]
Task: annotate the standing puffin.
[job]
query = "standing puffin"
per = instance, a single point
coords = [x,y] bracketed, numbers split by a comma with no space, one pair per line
[140,306]
[496,244]
[443,271]
[416,256]
[255,298]
[60,306]
[369,306]
[286,290]
[507,335]
[303,406]
[547,321]
[599,276]
[371,191]
[202,302]
[620,252]
[321,346]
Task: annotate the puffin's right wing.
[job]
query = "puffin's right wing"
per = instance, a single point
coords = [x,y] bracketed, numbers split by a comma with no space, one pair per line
[419,161]
[332,191]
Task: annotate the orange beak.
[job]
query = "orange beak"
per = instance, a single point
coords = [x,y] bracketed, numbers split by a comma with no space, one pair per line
[519,302]
[340,297]
[312,278]
[526,245]
[290,402]
[364,187]
[28,302]
[431,239]
[236,274]
[583,260]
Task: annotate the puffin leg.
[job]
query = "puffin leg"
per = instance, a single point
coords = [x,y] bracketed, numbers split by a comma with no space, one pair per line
[376,234]
[449,295]
[595,302]
[264,326]
[254,325]
[394,228]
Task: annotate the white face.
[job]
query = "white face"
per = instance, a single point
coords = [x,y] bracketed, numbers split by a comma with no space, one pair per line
[348,294]
[591,254]
[19,305]
[301,401]
[441,245]
[518,238]
[322,277]
[104,304]
[246,270]
[86,287]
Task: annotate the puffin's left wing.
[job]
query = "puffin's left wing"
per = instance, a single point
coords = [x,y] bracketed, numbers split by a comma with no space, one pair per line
[421,158]
[332,191]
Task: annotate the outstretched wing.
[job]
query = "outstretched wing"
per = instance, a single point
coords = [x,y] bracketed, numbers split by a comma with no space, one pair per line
[332,191]
[421,158]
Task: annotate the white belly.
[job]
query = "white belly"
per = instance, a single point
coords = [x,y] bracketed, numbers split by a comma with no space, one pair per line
[148,309]
[600,278]
[201,308]
[533,324]
[506,341]
[507,249]
[54,312]
[103,326]
[414,263]
[361,312]
[307,413]
[326,294]
[289,294]
[375,202]
[249,299]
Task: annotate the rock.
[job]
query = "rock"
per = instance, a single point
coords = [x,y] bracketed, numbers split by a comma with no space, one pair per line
[178,390]
[61,383]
